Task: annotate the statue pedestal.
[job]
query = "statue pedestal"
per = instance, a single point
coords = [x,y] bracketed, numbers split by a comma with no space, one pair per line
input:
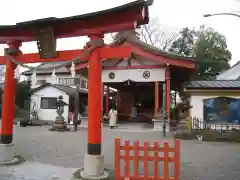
[159,122]
[59,125]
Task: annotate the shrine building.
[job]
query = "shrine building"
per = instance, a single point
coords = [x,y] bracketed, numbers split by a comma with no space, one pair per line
[140,79]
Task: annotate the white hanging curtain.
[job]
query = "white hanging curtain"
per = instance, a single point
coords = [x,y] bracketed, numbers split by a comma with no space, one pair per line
[73,72]
[17,73]
[54,77]
[34,78]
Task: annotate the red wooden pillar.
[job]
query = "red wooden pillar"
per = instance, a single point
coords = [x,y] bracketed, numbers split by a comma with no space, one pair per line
[156,106]
[102,109]
[168,92]
[9,98]
[175,99]
[117,99]
[107,100]
[94,102]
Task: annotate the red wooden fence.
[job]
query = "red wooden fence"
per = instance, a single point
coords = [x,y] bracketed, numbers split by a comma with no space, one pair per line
[137,158]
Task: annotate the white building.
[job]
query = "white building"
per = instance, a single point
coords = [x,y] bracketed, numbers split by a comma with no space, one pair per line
[47,88]
[215,103]
[45,98]
[62,76]
[232,73]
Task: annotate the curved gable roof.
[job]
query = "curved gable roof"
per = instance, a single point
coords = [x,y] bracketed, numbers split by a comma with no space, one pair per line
[131,37]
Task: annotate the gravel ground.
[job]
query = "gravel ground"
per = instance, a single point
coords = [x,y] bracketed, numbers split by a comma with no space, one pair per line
[53,155]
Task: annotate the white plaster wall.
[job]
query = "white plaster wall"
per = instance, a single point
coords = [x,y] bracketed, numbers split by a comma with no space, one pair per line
[196,101]
[49,114]
[134,75]
[53,80]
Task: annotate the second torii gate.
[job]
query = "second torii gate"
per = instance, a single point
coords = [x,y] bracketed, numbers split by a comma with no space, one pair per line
[46,31]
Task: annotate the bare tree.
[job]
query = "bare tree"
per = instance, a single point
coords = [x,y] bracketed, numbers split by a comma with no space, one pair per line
[157,35]
[108,38]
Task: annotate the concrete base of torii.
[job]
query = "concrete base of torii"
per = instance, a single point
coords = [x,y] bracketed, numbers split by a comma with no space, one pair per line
[94,167]
[6,153]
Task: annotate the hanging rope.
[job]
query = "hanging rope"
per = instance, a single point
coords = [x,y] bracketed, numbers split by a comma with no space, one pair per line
[91,46]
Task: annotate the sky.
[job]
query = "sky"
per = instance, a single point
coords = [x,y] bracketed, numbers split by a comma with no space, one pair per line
[175,14]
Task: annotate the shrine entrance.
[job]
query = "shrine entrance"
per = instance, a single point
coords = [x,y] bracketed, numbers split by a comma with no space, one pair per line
[145,80]
[135,101]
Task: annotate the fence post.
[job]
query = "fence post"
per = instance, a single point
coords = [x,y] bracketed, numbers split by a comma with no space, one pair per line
[155,162]
[127,159]
[166,162]
[117,159]
[145,161]
[136,158]
[177,160]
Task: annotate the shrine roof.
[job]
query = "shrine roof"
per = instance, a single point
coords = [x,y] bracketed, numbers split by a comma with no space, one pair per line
[67,89]
[79,25]
[86,16]
[51,65]
[131,37]
[213,84]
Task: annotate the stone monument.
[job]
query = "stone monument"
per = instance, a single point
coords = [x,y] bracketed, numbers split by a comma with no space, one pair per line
[60,125]
[161,122]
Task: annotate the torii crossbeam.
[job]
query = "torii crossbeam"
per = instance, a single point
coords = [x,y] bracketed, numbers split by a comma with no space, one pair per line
[45,32]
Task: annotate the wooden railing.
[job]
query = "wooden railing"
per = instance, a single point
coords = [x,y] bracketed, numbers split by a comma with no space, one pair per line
[133,173]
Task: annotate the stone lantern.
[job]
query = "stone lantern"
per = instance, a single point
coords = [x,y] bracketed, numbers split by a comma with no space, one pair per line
[60,125]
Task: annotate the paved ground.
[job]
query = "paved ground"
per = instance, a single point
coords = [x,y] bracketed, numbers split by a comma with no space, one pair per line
[52,155]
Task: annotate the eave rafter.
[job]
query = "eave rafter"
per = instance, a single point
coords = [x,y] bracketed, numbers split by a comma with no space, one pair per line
[161,59]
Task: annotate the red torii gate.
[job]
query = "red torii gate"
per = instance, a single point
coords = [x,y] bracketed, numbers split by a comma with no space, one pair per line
[93,25]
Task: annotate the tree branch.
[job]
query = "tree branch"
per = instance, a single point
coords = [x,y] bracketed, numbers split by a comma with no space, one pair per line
[155,35]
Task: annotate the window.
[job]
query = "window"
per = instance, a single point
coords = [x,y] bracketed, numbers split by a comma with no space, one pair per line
[66,81]
[69,81]
[84,84]
[41,82]
[73,82]
[48,103]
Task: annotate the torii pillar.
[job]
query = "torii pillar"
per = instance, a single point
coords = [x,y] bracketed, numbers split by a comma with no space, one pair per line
[94,158]
[6,138]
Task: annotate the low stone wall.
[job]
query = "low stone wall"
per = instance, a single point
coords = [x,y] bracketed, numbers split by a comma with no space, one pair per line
[210,135]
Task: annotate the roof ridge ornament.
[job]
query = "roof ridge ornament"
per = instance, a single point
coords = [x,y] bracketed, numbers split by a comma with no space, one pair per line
[149,2]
